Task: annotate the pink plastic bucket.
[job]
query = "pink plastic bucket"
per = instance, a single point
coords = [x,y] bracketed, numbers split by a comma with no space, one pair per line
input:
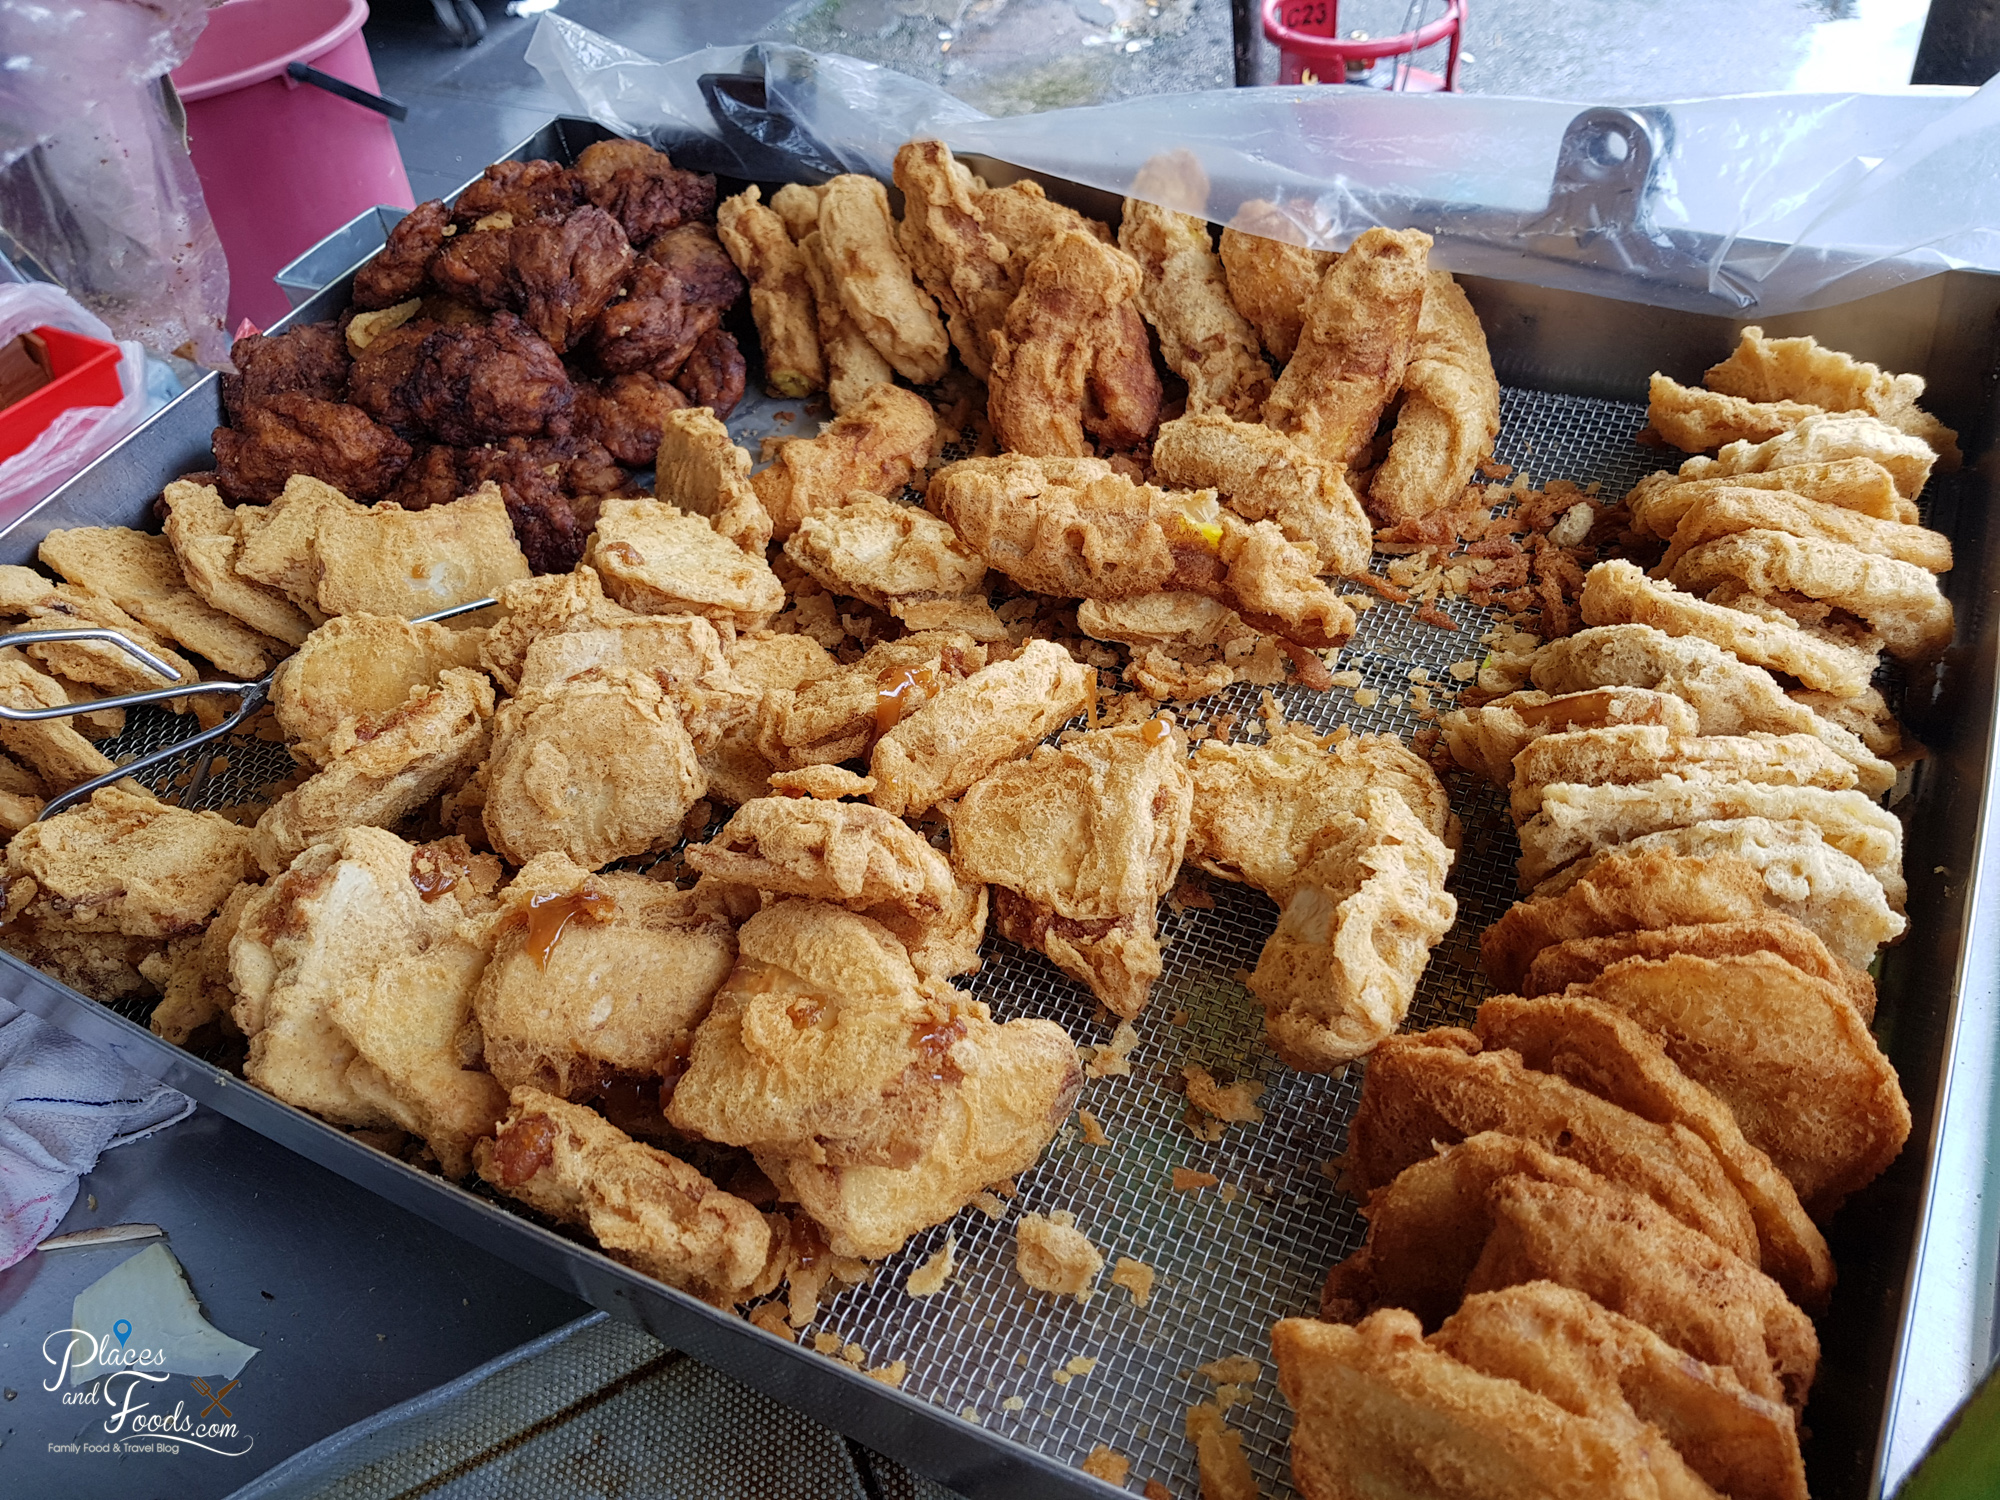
[283,164]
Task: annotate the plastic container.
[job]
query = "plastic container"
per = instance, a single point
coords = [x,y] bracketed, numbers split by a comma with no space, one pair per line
[1311,49]
[283,164]
[85,372]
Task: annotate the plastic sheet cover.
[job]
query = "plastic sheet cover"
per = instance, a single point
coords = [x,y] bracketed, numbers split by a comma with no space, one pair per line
[1759,203]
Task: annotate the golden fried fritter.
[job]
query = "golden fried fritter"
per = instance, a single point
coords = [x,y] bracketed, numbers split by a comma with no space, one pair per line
[1698,421]
[277,545]
[797,203]
[534,607]
[205,538]
[1071,362]
[1598,1049]
[61,606]
[1023,217]
[1622,754]
[1594,1363]
[1799,369]
[1184,293]
[1076,528]
[557,274]
[972,726]
[646,1208]
[1450,413]
[700,470]
[1788,1054]
[892,557]
[1360,327]
[1720,509]
[1082,840]
[838,714]
[361,667]
[1580,960]
[128,863]
[642,187]
[1822,440]
[1618,593]
[660,560]
[874,281]
[859,857]
[52,747]
[781,297]
[1272,275]
[1382,1412]
[197,993]
[1264,476]
[105,966]
[387,561]
[381,769]
[597,981]
[1860,485]
[684,654]
[853,365]
[1487,739]
[880,445]
[293,433]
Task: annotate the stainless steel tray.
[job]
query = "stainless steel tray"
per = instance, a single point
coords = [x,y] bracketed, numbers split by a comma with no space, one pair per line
[1911,1323]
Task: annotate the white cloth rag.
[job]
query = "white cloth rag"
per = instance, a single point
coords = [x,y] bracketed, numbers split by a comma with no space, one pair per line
[62,1104]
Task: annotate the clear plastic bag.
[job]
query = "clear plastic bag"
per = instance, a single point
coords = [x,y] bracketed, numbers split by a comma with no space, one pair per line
[95,178]
[82,433]
[1764,203]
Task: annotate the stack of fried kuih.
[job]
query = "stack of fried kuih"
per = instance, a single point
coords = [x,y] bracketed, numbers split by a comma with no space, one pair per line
[438,935]
[1594,1217]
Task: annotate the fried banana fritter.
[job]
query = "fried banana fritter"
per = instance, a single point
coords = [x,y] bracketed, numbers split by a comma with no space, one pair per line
[1082,840]
[700,470]
[781,297]
[1184,293]
[1824,440]
[880,445]
[1799,369]
[854,366]
[1699,421]
[1264,476]
[874,281]
[1271,273]
[384,560]
[960,261]
[1450,413]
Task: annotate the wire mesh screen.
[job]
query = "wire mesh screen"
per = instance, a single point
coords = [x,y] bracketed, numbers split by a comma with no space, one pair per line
[1231,1258]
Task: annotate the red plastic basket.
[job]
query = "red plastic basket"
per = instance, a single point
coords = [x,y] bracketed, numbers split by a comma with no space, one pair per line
[1311,49]
[86,374]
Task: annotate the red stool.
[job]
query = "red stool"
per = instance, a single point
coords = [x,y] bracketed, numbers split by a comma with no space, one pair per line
[1311,49]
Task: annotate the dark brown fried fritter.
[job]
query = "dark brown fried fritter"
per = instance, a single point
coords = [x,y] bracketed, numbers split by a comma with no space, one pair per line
[430,478]
[478,385]
[311,361]
[297,434]
[678,292]
[379,381]
[713,375]
[528,190]
[642,187]
[557,274]
[551,486]
[398,271]
[625,413]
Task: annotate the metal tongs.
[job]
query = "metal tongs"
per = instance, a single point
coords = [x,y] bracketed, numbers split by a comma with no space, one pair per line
[250,696]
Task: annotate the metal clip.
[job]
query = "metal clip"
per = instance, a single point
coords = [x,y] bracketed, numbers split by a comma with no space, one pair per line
[1604,173]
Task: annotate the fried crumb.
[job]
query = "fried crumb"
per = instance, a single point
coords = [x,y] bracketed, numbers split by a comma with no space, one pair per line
[1052,1255]
[1178,1018]
[1013,1403]
[1204,1127]
[770,1316]
[1107,1464]
[855,1355]
[1156,1491]
[1187,1179]
[970,1413]
[1225,1472]
[1093,1133]
[990,1205]
[1365,697]
[1234,1104]
[1112,1060]
[929,1278]
[890,1374]
[1230,1192]
[1136,1277]
[826,1343]
[1232,1369]
[1005,1187]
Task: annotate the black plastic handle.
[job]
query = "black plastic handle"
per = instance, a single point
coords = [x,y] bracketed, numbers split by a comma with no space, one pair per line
[348,91]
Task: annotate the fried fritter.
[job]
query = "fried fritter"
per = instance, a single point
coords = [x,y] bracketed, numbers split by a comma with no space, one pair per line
[402,266]
[557,275]
[1360,328]
[1596,1048]
[140,575]
[523,190]
[858,857]
[206,537]
[797,203]
[1785,1051]
[55,750]
[535,607]
[1581,960]
[1082,840]
[1264,476]
[1799,369]
[1618,593]
[1071,357]
[646,1208]
[700,470]
[106,967]
[781,298]
[480,384]
[1023,217]
[293,433]
[642,188]
[715,372]
[1822,440]
[1487,739]
[853,365]
[378,382]
[684,654]
[310,360]
[1450,413]
[1272,275]
[879,445]
[597,982]
[1697,421]
[1898,600]
[357,668]
[598,768]
[960,262]
[1184,293]
[1435,1088]
[837,715]
[626,414]
[379,770]
[677,292]
[128,863]
[1720,509]
[971,727]
[891,557]
[58,606]
[660,560]
[1382,1412]
[197,993]
[874,281]
[1623,754]
[1076,528]
[387,561]
[1590,1361]
[1731,696]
